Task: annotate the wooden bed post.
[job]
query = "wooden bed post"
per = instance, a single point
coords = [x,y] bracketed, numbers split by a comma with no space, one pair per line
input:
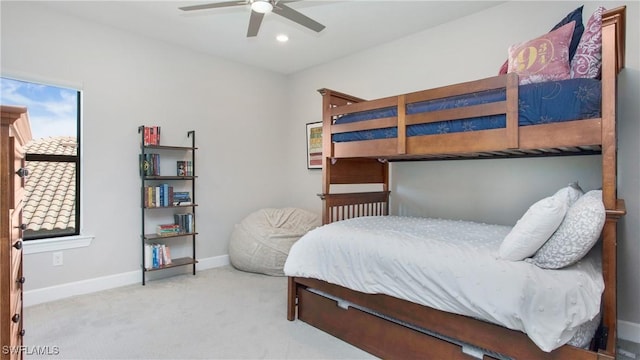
[613,35]
[327,151]
[612,32]
[292,295]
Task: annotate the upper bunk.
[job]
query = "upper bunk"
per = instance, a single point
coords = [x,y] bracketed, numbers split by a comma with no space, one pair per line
[491,123]
[359,136]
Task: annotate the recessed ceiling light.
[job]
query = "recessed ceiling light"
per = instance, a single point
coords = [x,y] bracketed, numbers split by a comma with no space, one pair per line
[282,38]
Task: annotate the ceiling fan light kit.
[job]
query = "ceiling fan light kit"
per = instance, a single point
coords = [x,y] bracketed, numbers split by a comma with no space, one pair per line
[259,8]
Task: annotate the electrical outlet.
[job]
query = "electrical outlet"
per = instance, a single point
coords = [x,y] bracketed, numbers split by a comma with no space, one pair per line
[57,258]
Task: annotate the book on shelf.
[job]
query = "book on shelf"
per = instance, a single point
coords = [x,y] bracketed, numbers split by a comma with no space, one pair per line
[166,255]
[156,255]
[185,221]
[155,164]
[181,168]
[181,198]
[160,195]
[149,164]
[184,168]
[144,165]
[165,195]
[151,135]
[167,229]
[169,197]
[181,195]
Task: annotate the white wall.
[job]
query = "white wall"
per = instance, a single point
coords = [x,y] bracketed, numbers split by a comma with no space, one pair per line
[129,81]
[497,191]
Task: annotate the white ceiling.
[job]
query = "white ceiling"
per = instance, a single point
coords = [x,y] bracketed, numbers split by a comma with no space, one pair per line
[351,26]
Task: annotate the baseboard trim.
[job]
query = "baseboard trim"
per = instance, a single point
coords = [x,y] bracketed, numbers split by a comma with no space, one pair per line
[57,292]
[212,262]
[629,331]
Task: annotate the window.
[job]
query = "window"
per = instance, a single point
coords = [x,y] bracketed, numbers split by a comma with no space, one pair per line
[52,198]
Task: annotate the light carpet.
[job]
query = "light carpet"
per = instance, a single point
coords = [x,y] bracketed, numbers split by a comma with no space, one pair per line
[220,313]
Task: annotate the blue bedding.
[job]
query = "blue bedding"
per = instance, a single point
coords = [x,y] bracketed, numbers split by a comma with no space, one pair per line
[539,103]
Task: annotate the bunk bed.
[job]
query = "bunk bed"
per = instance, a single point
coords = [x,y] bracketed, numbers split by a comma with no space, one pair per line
[390,327]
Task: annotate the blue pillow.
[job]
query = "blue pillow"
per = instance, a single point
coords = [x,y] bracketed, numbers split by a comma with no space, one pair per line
[575,15]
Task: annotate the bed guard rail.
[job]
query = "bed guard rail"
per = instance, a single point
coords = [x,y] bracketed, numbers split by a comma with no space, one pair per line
[344,206]
[506,138]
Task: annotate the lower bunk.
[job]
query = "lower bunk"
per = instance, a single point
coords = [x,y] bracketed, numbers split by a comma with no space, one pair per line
[440,310]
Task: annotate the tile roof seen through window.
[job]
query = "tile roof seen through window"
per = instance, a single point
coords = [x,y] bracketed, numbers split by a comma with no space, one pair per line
[50,188]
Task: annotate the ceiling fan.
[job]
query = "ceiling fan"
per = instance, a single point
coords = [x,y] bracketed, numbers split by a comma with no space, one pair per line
[261,7]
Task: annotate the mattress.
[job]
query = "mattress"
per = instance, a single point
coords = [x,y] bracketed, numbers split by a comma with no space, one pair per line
[453,266]
[539,103]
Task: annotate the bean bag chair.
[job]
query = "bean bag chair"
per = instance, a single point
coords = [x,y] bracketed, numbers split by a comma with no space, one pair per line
[260,243]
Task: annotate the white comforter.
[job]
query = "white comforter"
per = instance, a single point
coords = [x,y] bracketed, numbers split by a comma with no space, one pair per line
[452,266]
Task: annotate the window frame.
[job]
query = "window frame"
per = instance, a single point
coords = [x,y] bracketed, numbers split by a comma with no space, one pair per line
[76,159]
[77,239]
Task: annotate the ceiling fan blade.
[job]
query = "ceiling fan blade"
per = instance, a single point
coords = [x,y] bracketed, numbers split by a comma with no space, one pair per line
[295,16]
[213,5]
[254,23]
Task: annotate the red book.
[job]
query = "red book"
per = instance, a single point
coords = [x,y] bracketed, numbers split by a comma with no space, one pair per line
[152,135]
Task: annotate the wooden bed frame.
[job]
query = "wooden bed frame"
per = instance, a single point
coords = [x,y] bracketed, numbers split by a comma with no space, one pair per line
[363,162]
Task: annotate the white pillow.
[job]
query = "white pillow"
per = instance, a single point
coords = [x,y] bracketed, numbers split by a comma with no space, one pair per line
[534,228]
[538,224]
[576,235]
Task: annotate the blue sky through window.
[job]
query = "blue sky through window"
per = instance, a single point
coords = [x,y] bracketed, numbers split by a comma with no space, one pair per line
[53,111]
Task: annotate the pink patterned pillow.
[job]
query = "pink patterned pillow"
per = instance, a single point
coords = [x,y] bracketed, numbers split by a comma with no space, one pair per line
[587,62]
[545,58]
[504,68]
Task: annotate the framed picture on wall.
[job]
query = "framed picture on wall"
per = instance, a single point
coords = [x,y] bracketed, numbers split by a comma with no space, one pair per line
[314,145]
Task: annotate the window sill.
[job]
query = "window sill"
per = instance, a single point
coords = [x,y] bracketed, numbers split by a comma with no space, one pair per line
[54,244]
